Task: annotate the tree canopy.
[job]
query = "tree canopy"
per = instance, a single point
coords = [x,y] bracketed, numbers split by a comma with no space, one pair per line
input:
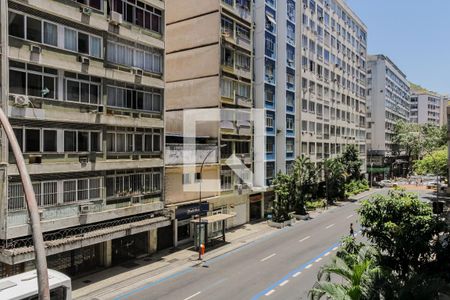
[435,162]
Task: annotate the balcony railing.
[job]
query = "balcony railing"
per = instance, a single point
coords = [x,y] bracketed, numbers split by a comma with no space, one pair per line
[177,154]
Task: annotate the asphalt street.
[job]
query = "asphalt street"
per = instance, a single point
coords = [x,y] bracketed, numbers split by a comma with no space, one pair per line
[283,265]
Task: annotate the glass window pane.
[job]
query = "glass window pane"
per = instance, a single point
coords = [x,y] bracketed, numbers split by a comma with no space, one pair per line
[83,43]
[70,39]
[32,140]
[94,91]
[138,143]
[83,141]
[50,141]
[95,142]
[97,4]
[96,46]
[156,143]
[148,143]
[49,83]
[34,30]
[50,34]
[19,136]
[70,141]
[73,90]
[16,25]
[17,81]
[34,85]
[84,92]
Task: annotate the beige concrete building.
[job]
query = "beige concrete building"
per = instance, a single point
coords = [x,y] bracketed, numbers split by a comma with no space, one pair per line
[427,107]
[209,52]
[82,84]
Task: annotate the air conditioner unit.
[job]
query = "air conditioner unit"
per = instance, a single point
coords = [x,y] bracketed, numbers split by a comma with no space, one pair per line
[86,208]
[35,49]
[304,6]
[86,10]
[84,60]
[116,18]
[136,199]
[21,100]
[138,71]
[83,159]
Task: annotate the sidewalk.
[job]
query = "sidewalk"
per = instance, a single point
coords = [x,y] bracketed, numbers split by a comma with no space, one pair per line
[109,283]
[102,284]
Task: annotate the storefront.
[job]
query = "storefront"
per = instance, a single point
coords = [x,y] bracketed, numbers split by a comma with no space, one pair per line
[183,216]
[255,207]
[129,247]
[269,197]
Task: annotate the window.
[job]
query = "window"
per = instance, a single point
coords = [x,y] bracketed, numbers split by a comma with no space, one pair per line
[243,90]
[81,141]
[290,145]
[31,80]
[50,140]
[139,98]
[32,140]
[270,144]
[289,123]
[139,14]
[34,27]
[127,141]
[50,34]
[148,59]
[133,184]
[269,121]
[16,25]
[82,88]
[81,189]
[226,179]
[227,87]
[243,61]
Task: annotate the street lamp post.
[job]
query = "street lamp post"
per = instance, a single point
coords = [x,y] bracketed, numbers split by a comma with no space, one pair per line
[38,240]
[200,201]
[371,174]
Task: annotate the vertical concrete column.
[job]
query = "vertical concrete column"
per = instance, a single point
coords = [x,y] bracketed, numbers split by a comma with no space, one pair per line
[152,241]
[175,232]
[106,253]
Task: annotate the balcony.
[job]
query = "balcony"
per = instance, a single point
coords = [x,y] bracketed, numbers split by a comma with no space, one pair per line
[238,9]
[243,101]
[179,154]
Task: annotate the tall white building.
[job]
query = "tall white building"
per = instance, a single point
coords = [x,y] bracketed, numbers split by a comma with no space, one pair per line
[427,107]
[388,101]
[332,102]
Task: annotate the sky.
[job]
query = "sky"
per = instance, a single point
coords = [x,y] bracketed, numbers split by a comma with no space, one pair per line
[415,34]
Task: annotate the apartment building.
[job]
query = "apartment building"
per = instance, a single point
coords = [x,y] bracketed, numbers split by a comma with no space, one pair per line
[427,107]
[83,87]
[275,86]
[209,53]
[332,100]
[388,101]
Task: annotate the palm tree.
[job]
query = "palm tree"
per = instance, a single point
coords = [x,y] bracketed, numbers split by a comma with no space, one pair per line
[305,183]
[335,177]
[360,274]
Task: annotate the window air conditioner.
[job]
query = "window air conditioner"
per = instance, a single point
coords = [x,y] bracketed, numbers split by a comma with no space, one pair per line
[116,18]
[35,49]
[138,71]
[86,10]
[85,208]
[84,60]
[21,100]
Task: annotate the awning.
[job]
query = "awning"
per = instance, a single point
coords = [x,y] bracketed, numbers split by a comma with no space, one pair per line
[214,218]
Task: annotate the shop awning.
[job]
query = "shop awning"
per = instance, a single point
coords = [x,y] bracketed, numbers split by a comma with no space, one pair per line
[215,218]
[377,169]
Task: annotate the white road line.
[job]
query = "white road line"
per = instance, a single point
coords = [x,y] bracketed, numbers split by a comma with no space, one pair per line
[349,216]
[329,226]
[326,254]
[296,274]
[308,266]
[284,282]
[304,239]
[270,292]
[335,248]
[268,257]
[192,296]
[319,259]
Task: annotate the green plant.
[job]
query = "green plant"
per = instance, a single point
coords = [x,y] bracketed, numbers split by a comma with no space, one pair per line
[283,185]
[335,179]
[355,187]
[435,162]
[312,205]
[351,162]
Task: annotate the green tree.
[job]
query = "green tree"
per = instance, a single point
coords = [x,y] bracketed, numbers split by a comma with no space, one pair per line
[435,162]
[335,179]
[283,186]
[359,272]
[405,232]
[352,163]
[305,183]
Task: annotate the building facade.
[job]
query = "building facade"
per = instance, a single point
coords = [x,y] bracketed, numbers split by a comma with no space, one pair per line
[83,87]
[388,101]
[427,107]
[332,55]
[209,68]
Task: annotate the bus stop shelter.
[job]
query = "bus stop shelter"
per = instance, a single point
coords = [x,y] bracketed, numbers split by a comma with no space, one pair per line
[201,234]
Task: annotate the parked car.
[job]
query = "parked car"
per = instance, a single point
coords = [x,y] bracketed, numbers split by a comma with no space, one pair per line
[387,183]
[432,184]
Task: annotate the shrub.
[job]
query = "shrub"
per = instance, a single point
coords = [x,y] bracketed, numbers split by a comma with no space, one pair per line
[355,187]
[312,205]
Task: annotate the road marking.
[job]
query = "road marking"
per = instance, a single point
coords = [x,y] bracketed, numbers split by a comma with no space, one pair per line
[319,259]
[284,282]
[326,254]
[308,266]
[304,239]
[268,257]
[192,296]
[329,226]
[335,248]
[296,274]
[270,292]
[349,216]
